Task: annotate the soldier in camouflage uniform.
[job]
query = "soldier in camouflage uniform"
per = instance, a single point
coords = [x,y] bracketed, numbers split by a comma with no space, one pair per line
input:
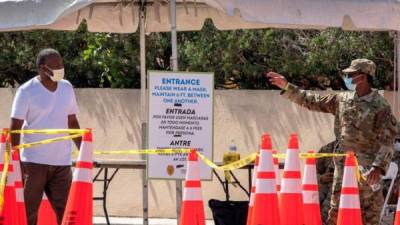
[363,123]
[325,169]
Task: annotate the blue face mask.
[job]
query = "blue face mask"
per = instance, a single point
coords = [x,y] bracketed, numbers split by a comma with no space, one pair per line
[348,81]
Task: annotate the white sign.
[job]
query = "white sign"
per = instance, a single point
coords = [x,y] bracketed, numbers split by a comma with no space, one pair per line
[180,116]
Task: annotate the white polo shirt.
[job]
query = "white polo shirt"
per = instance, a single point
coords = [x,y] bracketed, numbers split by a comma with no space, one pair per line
[43,109]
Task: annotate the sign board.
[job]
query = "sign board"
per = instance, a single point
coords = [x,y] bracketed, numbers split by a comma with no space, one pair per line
[180,116]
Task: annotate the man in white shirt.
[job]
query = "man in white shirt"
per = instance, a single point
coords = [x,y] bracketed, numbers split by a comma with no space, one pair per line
[47,101]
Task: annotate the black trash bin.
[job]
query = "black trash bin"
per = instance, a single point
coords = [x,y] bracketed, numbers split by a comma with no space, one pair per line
[229,212]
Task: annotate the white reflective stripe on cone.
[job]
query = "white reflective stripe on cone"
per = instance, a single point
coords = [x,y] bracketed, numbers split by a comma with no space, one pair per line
[17,171]
[251,202]
[291,186]
[193,171]
[265,186]
[86,154]
[349,202]
[310,197]
[398,205]
[2,150]
[311,176]
[82,175]
[277,174]
[192,194]
[348,173]
[254,177]
[10,179]
[253,185]
[264,164]
[292,162]
[19,192]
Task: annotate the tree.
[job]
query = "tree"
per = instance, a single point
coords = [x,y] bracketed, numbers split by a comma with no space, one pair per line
[312,59]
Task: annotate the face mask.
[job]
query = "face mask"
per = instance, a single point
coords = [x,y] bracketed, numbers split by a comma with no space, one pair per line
[348,81]
[57,74]
[397,146]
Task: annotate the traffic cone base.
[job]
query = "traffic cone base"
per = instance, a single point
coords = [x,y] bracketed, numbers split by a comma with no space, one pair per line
[192,212]
[347,217]
[252,192]
[9,215]
[265,210]
[290,197]
[77,217]
[79,208]
[312,212]
[273,210]
[349,206]
[19,189]
[19,192]
[46,215]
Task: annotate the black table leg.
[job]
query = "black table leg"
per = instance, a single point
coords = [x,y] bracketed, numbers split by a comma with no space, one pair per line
[224,185]
[250,179]
[105,187]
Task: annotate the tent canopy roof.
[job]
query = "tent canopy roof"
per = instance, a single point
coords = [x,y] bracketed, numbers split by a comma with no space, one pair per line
[123,16]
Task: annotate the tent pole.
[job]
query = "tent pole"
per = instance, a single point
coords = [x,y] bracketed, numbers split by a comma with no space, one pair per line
[143,110]
[395,68]
[174,62]
[174,42]
[396,79]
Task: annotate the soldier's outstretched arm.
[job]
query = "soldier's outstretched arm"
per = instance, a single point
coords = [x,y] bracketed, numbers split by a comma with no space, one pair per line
[313,101]
[386,125]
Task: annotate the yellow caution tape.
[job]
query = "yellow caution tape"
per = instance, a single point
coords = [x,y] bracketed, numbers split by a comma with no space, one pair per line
[311,155]
[3,181]
[231,166]
[50,131]
[47,141]
[357,171]
[321,155]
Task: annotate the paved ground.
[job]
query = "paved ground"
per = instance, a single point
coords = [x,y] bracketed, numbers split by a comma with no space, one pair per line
[137,221]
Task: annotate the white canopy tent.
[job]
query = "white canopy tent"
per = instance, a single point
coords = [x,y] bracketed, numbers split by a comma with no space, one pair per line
[122,16]
[126,16]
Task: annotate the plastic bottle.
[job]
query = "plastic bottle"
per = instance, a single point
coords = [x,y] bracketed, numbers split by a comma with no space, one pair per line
[231,156]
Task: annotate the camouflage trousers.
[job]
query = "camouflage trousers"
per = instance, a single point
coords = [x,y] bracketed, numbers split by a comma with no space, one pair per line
[325,206]
[371,205]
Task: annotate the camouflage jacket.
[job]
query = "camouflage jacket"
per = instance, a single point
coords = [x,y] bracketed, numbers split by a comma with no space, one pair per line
[364,125]
[325,165]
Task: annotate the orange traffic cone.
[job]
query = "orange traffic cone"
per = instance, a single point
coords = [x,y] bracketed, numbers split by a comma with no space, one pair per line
[277,173]
[3,140]
[192,212]
[19,189]
[8,214]
[265,210]
[79,209]
[349,205]
[291,198]
[46,214]
[312,214]
[253,191]
[397,218]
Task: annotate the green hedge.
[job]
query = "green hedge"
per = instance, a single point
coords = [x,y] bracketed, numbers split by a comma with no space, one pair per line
[311,59]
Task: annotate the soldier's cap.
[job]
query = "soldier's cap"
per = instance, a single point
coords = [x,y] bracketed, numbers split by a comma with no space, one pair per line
[361,65]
